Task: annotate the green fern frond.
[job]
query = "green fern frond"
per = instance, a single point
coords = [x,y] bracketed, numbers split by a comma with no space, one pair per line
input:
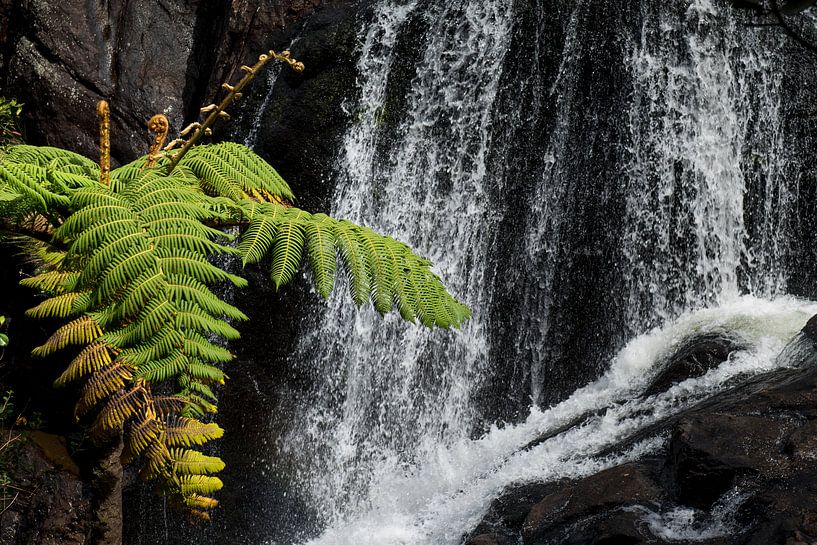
[287,250]
[205,372]
[191,462]
[163,369]
[192,317]
[321,253]
[354,259]
[186,263]
[257,239]
[187,432]
[199,484]
[162,344]
[184,288]
[197,346]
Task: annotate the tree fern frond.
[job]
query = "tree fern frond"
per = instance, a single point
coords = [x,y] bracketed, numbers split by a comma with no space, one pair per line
[123,270]
[192,242]
[205,372]
[191,462]
[144,430]
[59,306]
[199,484]
[102,384]
[354,259]
[287,251]
[213,178]
[83,330]
[163,369]
[191,317]
[160,345]
[197,346]
[187,432]
[92,358]
[169,406]
[257,239]
[187,263]
[120,407]
[52,281]
[184,288]
[139,293]
[320,251]
[200,502]
[154,317]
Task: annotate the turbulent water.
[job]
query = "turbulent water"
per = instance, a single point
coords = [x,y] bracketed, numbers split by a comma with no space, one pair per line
[388,444]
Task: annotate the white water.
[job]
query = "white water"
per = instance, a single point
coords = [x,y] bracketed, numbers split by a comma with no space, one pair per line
[439,500]
[686,524]
[706,127]
[383,443]
[386,394]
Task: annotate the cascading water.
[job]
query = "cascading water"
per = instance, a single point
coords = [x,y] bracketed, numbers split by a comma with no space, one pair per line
[706,129]
[392,393]
[384,442]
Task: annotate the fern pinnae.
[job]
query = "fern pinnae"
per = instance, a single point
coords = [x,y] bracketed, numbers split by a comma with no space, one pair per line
[184,262]
[184,288]
[92,358]
[354,261]
[190,316]
[82,330]
[287,251]
[187,432]
[191,462]
[91,239]
[163,369]
[321,254]
[101,385]
[257,239]
[53,281]
[124,270]
[118,409]
[59,306]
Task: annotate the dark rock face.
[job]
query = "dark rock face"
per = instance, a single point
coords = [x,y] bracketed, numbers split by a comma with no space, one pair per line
[761,446]
[48,504]
[693,360]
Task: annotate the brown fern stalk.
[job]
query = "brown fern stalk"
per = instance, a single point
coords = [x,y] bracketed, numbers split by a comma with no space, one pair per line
[234,92]
[104,114]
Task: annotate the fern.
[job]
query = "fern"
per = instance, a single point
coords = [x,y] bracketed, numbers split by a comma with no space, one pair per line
[129,266]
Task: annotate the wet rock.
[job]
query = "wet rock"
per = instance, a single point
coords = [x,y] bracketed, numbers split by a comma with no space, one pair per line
[576,502]
[693,360]
[756,444]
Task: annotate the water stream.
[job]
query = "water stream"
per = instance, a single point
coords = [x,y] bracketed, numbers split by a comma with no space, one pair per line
[686,223]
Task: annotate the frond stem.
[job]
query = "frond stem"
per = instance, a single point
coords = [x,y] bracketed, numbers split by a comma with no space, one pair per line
[234,93]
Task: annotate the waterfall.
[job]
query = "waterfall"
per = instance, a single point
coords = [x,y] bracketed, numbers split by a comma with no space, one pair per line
[387,394]
[684,218]
[706,130]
